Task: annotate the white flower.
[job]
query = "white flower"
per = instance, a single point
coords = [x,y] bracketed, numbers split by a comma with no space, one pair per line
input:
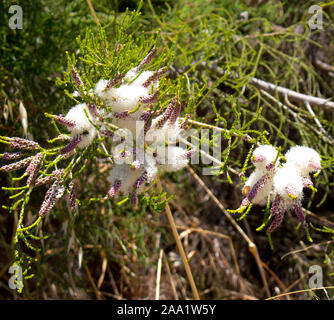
[305,159]
[172,159]
[288,184]
[263,156]
[83,127]
[124,98]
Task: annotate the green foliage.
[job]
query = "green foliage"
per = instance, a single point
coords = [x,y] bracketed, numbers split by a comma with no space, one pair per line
[212,53]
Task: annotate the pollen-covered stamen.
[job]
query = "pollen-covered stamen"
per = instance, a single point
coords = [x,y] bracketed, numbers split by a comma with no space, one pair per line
[122,114]
[71,146]
[157,75]
[257,187]
[151,98]
[278,212]
[92,108]
[23,144]
[115,81]
[291,191]
[147,59]
[12,156]
[299,213]
[258,158]
[16,165]
[114,189]
[64,121]
[33,168]
[77,80]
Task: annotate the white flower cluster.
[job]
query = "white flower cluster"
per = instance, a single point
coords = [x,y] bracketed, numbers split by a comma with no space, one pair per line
[282,184]
[128,103]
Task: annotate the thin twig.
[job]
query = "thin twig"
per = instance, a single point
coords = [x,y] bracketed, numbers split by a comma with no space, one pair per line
[251,245]
[157,287]
[180,246]
[93,12]
[176,297]
[299,291]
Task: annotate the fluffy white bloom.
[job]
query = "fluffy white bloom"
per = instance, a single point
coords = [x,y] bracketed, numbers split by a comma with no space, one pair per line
[305,159]
[288,183]
[83,126]
[264,155]
[124,98]
[173,159]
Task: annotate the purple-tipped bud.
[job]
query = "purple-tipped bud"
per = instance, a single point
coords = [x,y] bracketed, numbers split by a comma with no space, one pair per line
[175,111]
[146,115]
[115,81]
[140,180]
[307,183]
[278,212]
[77,80]
[92,108]
[134,199]
[71,146]
[257,187]
[151,98]
[147,59]
[114,189]
[12,156]
[16,165]
[121,115]
[23,144]
[165,116]
[107,133]
[156,76]
[54,193]
[64,121]
[33,168]
[299,213]
[73,195]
